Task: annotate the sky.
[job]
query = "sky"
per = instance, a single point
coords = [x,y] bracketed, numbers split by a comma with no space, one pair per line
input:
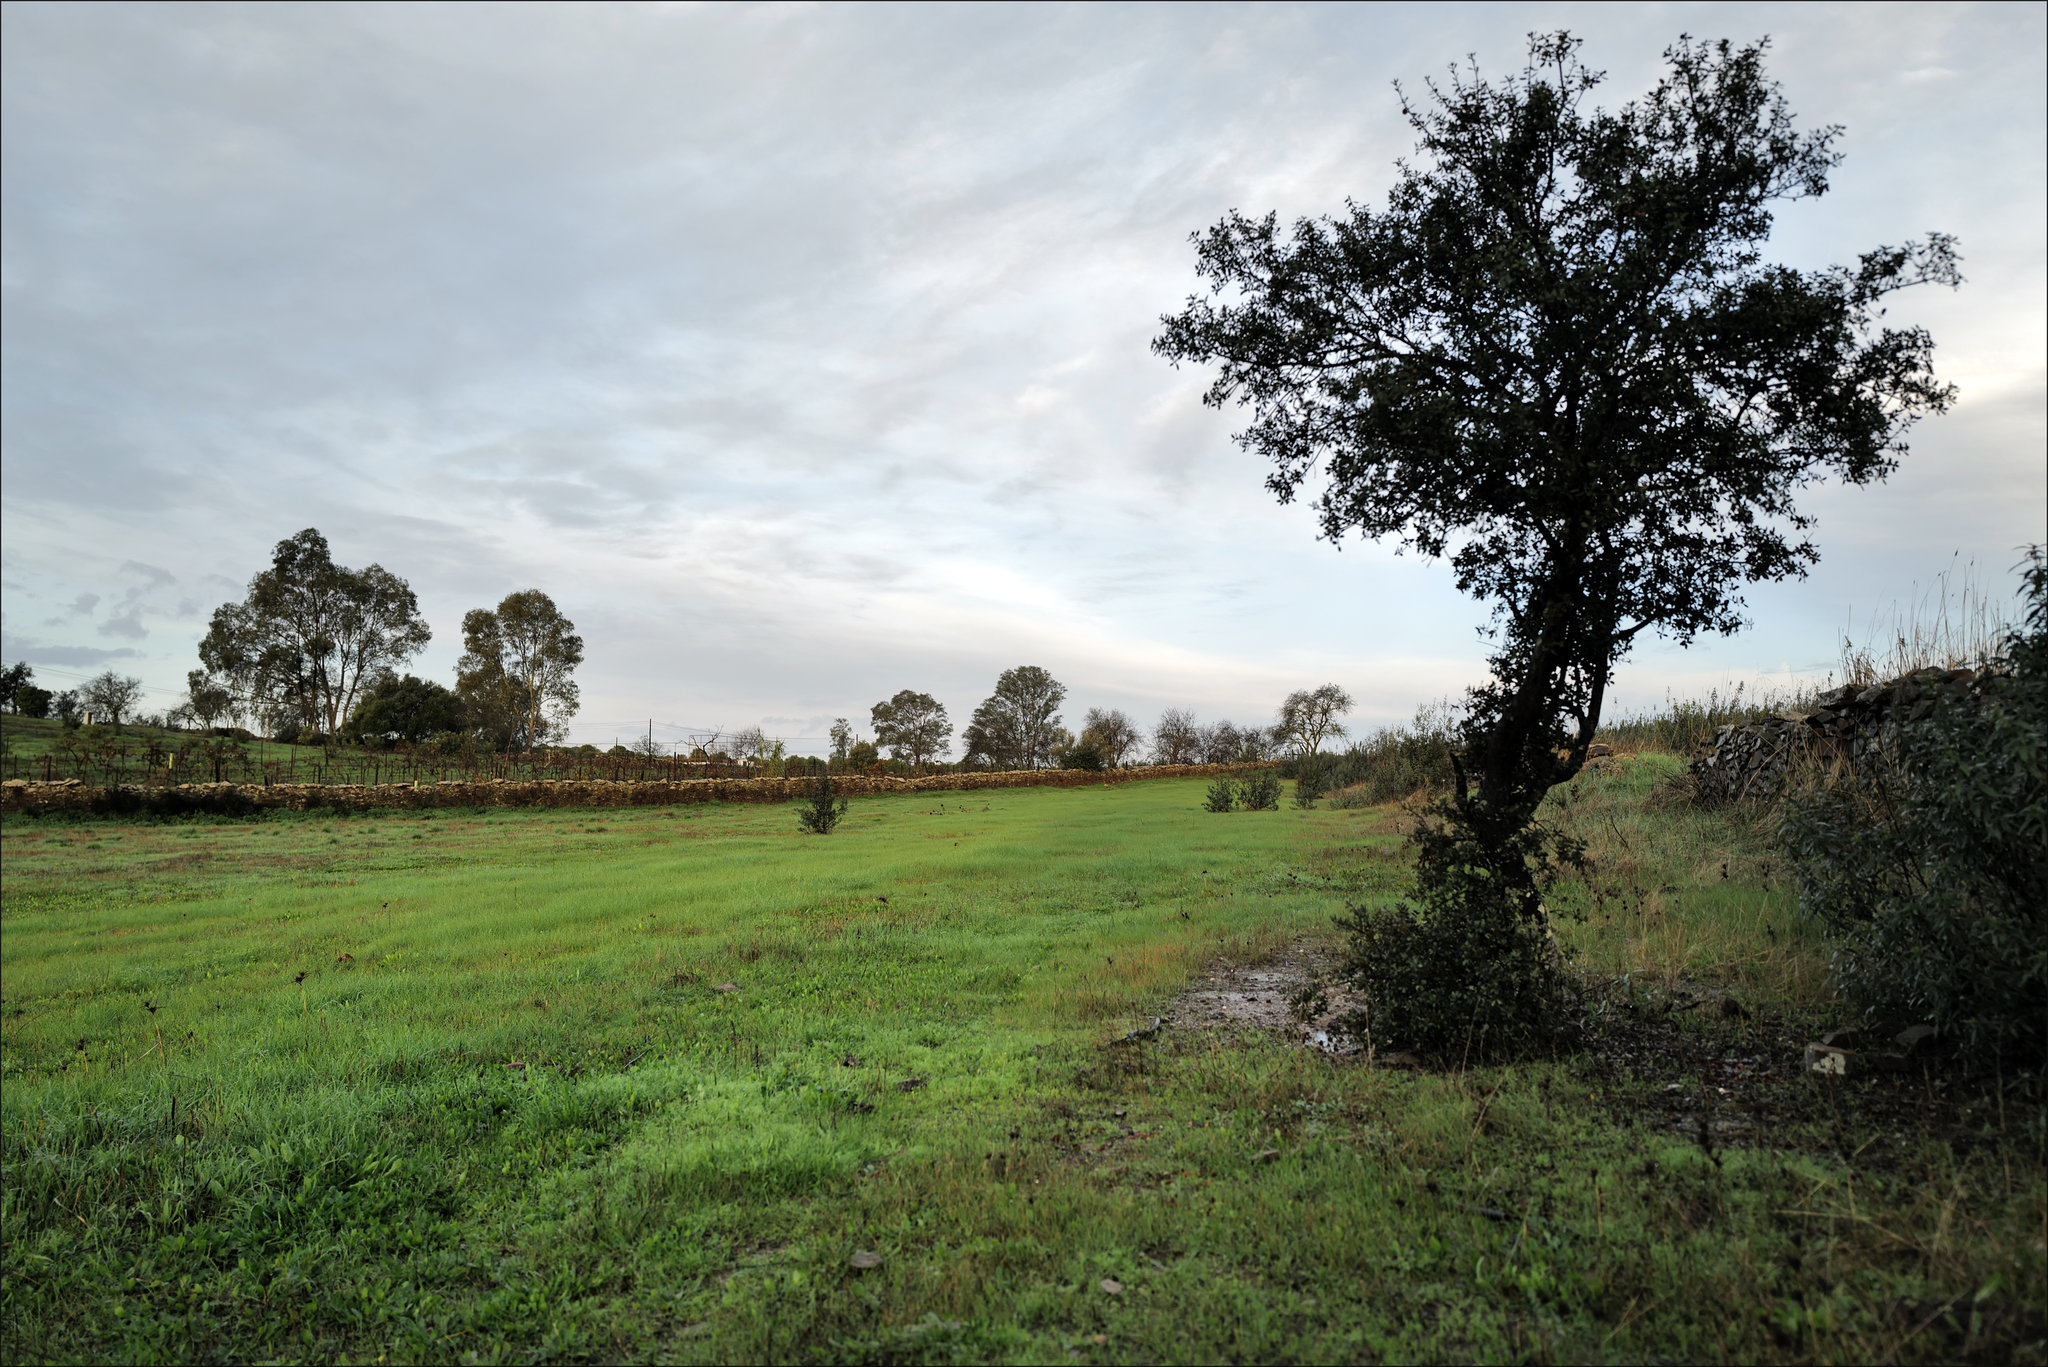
[802,353]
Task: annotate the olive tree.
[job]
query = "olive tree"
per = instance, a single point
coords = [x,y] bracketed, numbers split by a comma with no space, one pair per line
[1559,359]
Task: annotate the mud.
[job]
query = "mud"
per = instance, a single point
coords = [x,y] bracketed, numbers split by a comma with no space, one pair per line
[1260,996]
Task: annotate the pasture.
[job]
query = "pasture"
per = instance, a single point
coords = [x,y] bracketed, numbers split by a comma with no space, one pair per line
[642,1084]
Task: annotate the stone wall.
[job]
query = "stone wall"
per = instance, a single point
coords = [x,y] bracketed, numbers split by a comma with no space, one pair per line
[1752,763]
[69,795]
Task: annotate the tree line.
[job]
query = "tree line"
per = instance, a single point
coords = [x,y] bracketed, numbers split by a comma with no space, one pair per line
[1019,726]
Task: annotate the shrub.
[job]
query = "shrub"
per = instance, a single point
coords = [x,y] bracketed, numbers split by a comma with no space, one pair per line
[1222,794]
[32,701]
[821,811]
[1927,862]
[1310,781]
[1393,762]
[1261,791]
[1083,755]
[1464,971]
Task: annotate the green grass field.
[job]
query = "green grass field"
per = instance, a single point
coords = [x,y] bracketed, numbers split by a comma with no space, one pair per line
[639,1085]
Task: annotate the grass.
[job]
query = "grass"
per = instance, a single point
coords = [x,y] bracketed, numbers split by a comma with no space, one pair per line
[638,1085]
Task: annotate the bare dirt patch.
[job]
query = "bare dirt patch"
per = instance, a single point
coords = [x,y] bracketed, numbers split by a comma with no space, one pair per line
[1261,995]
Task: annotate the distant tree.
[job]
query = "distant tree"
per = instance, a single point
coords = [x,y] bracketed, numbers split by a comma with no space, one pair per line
[1177,739]
[207,700]
[32,701]
[110,696]
[1558,358]
[1309,717]
[1220,743]
[914,727]
[13,679]
[1082,753]
[862,754]
[515,672]
[409,709]
[842,739]
[65,706]
[1113,734]
[1017,725]
[310,634]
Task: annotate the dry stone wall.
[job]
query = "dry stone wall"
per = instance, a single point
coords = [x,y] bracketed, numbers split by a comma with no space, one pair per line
[1752,763]
[71,796]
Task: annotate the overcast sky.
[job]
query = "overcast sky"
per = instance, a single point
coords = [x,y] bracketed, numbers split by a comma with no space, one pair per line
[802,355]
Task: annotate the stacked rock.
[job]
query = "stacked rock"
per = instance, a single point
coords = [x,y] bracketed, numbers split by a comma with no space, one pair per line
[1752,763]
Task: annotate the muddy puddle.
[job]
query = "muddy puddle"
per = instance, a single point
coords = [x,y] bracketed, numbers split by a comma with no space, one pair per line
[1259,996]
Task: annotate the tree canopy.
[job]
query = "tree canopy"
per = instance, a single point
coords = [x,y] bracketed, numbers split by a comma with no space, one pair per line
[515,672]
[310,634]
[1018,725]
[1559,359]
[914,726]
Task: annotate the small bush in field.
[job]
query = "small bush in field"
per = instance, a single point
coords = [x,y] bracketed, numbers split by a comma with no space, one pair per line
[1260,791]
[1928,861]
[822,810]
[1414,963]
[1222,795]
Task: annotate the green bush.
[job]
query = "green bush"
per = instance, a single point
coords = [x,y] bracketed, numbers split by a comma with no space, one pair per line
[32,701]
[1927,862]
[1393,762]
[1260,791]
[1222,795]
[821,811]
[1463,971]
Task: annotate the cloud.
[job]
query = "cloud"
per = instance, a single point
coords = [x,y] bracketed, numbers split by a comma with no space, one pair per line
[802,354]
[126,621]
[157,577]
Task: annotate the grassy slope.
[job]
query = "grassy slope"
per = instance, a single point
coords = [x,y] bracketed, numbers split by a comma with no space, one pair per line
[347,1168]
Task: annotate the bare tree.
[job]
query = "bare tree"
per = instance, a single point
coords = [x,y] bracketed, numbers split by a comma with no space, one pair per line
[109,695]
[1176,740]
[1114,734]
[1309,717]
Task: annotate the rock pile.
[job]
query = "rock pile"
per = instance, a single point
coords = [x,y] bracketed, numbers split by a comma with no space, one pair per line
[1752,763]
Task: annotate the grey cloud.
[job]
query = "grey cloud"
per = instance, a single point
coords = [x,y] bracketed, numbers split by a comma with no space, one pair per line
[747,332]
[125,622]
[156,577]
[84,603]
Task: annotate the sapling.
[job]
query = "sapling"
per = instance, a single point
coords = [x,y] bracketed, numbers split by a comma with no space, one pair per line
[823,811]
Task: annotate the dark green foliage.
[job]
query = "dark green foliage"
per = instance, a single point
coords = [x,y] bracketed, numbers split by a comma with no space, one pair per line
[1222,795]
[13,679]
[821,811]
[1017,726]
[1928,861]
[1083,754]
[1466,971]
[31,701]
[408,709]
[913,726]
[1558,359]
[1260,791]
[862,754]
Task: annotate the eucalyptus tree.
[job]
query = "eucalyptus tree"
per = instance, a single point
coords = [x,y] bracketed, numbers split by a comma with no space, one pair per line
[515,674]
[1559,359]
[311,634]
[1018,725]
[914,727]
